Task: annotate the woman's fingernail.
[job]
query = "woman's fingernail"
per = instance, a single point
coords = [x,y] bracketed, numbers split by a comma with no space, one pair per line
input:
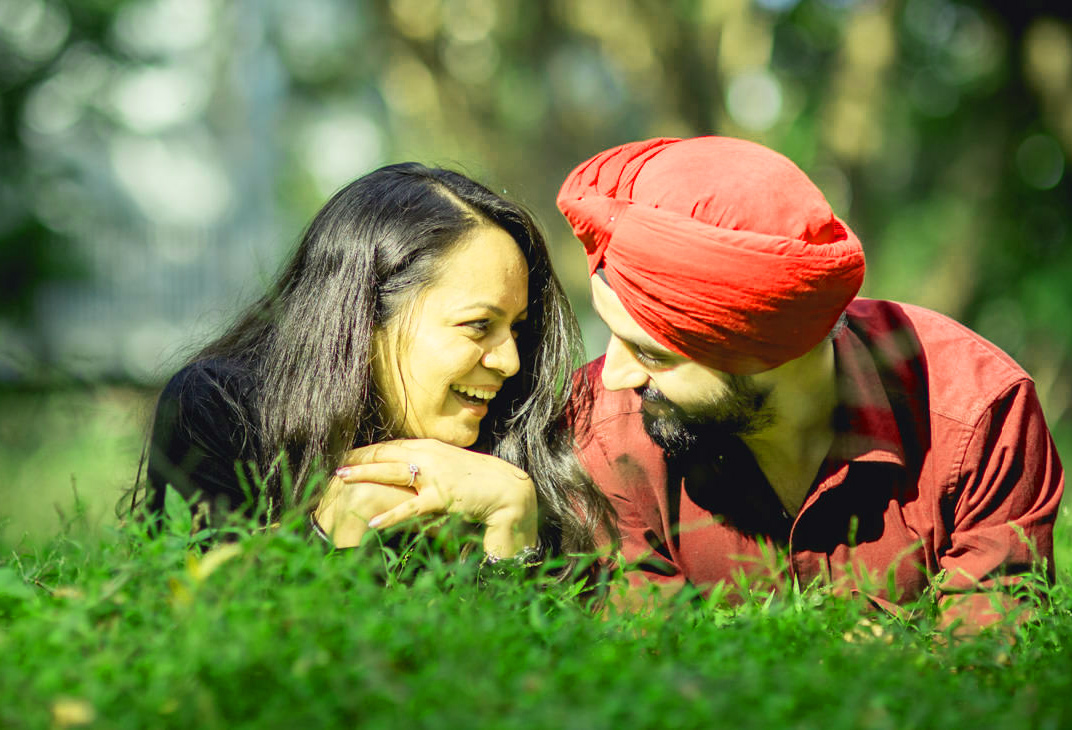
[374,522]
[342,472]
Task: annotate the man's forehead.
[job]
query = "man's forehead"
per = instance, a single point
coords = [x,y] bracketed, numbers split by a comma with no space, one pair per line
[614,314]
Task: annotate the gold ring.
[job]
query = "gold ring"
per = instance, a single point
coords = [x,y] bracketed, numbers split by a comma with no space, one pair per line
[414,470]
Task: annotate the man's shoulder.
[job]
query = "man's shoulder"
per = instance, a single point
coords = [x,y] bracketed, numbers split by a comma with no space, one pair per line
[963,371]
[937,334]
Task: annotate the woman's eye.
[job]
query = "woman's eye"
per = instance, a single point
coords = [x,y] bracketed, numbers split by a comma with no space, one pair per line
[477,325]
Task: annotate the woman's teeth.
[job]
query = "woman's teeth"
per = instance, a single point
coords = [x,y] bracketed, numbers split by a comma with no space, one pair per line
[475,394]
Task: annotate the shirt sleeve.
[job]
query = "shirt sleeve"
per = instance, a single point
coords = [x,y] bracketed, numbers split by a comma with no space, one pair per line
[1005,499]
[200,439]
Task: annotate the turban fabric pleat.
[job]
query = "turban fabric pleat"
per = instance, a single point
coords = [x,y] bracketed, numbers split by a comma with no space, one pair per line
[721,249]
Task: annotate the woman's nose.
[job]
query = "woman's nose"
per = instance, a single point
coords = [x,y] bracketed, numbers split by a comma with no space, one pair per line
[503,357]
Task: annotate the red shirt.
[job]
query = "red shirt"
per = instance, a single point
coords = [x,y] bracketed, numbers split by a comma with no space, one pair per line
[941,461]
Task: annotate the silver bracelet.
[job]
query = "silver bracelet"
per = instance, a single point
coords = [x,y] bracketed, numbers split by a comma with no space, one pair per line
[318,529]
[526,557]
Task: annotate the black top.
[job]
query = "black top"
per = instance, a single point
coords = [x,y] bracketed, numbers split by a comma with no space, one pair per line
[203,430]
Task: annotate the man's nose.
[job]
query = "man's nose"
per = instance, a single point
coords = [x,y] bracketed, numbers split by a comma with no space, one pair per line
[620,368]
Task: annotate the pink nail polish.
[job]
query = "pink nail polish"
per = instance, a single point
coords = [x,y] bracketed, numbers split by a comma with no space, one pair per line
[342,472]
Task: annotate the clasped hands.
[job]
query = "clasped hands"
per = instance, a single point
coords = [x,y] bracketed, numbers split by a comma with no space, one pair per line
[374,487]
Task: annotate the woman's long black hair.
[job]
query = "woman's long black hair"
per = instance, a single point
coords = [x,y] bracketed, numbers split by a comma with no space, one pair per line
[308,343]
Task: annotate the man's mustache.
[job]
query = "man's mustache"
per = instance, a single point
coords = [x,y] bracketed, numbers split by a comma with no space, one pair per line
[649,394]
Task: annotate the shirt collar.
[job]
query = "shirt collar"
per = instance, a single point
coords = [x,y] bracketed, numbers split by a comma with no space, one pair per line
[864,423]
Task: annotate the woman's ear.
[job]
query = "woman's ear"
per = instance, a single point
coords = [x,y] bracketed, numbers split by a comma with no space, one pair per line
[383,346]
[388,344]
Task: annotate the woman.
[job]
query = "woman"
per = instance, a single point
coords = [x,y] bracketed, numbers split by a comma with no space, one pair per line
[418,347]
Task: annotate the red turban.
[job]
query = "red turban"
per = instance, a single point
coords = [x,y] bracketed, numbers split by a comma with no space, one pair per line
[721,249]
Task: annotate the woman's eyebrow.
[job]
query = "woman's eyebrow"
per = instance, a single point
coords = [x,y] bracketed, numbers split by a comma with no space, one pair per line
[493,308]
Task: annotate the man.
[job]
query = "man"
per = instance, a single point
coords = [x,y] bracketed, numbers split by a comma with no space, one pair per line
[750,406]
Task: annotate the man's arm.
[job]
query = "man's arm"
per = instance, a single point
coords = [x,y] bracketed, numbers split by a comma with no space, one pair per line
[1006,501]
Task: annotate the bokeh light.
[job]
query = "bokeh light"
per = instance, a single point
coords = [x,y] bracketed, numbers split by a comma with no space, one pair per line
[754,99]
[178,181]
[339,144]
[1041,161]
[34,29]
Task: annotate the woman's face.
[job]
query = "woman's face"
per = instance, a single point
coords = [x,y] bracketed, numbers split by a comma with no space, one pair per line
[440,362]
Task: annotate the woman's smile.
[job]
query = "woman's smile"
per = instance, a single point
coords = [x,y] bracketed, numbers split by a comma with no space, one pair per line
[475,398]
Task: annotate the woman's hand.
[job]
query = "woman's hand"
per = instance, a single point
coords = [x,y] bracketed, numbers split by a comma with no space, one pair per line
[479,487]
[346,508]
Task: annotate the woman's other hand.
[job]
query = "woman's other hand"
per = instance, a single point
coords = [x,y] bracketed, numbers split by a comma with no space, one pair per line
[479,487]
[344,511]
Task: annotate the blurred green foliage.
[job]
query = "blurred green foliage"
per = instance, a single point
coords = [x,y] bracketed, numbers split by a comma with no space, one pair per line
[939,129]
[65,447]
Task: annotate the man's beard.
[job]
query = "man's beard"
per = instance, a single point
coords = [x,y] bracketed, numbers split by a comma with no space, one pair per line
[743,410]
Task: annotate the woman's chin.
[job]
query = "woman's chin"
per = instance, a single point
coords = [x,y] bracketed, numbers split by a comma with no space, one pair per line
[463,437]
[464,441]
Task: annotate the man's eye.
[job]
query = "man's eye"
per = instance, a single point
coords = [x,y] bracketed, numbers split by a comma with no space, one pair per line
[648,358]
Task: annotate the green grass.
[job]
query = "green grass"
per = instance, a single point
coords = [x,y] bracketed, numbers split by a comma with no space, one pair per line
[102,626]
[129,631]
